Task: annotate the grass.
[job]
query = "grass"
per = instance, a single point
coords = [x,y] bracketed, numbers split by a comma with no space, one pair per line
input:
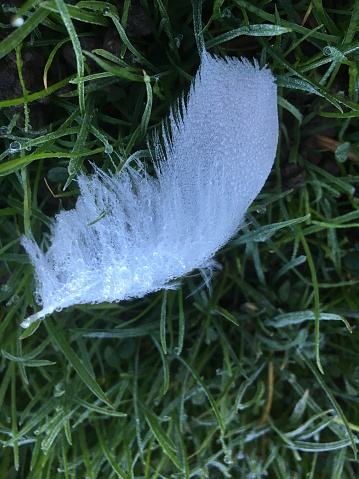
[258,378]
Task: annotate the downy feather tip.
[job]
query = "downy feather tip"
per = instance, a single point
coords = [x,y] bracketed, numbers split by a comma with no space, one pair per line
[132,233]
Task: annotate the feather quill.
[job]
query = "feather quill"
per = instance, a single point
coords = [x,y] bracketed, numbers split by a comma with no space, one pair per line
[132,233]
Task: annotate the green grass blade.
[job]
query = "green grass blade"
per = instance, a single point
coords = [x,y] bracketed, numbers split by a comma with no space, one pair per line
[261,30]
[162,437]
[206,391]
[334,402]
[66,18]
[110,457]
[59,341]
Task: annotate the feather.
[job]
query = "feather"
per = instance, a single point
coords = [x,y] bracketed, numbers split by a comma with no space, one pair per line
[132,233]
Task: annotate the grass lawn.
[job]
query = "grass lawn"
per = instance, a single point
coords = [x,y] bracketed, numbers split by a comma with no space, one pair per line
[256,376]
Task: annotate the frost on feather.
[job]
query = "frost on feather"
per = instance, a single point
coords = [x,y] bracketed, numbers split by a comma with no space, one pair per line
[131,234]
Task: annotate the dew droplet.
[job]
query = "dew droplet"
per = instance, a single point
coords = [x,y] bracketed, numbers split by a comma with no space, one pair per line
[261,209]
[178,40]
[4,130]
[7,8]
[17,22]
[260,238]
[14,299]
[14,146]
[133,58]
[25,324]
[226,13]
[327,51]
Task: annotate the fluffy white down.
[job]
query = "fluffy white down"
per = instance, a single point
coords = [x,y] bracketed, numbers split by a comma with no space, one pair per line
[131,233]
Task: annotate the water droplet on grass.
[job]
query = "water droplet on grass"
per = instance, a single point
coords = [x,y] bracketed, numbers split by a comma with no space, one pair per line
[228,460]
[14,146]
[261,210]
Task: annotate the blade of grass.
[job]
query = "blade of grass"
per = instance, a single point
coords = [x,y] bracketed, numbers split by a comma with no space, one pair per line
[59,341]
[261,30]
[206,391]
[316,295]
[66,18]
[162,437]
[334,402]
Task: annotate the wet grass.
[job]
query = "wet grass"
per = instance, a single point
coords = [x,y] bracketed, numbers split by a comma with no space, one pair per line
[257,378]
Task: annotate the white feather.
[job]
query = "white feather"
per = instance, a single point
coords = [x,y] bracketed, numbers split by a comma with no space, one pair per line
[132,233]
